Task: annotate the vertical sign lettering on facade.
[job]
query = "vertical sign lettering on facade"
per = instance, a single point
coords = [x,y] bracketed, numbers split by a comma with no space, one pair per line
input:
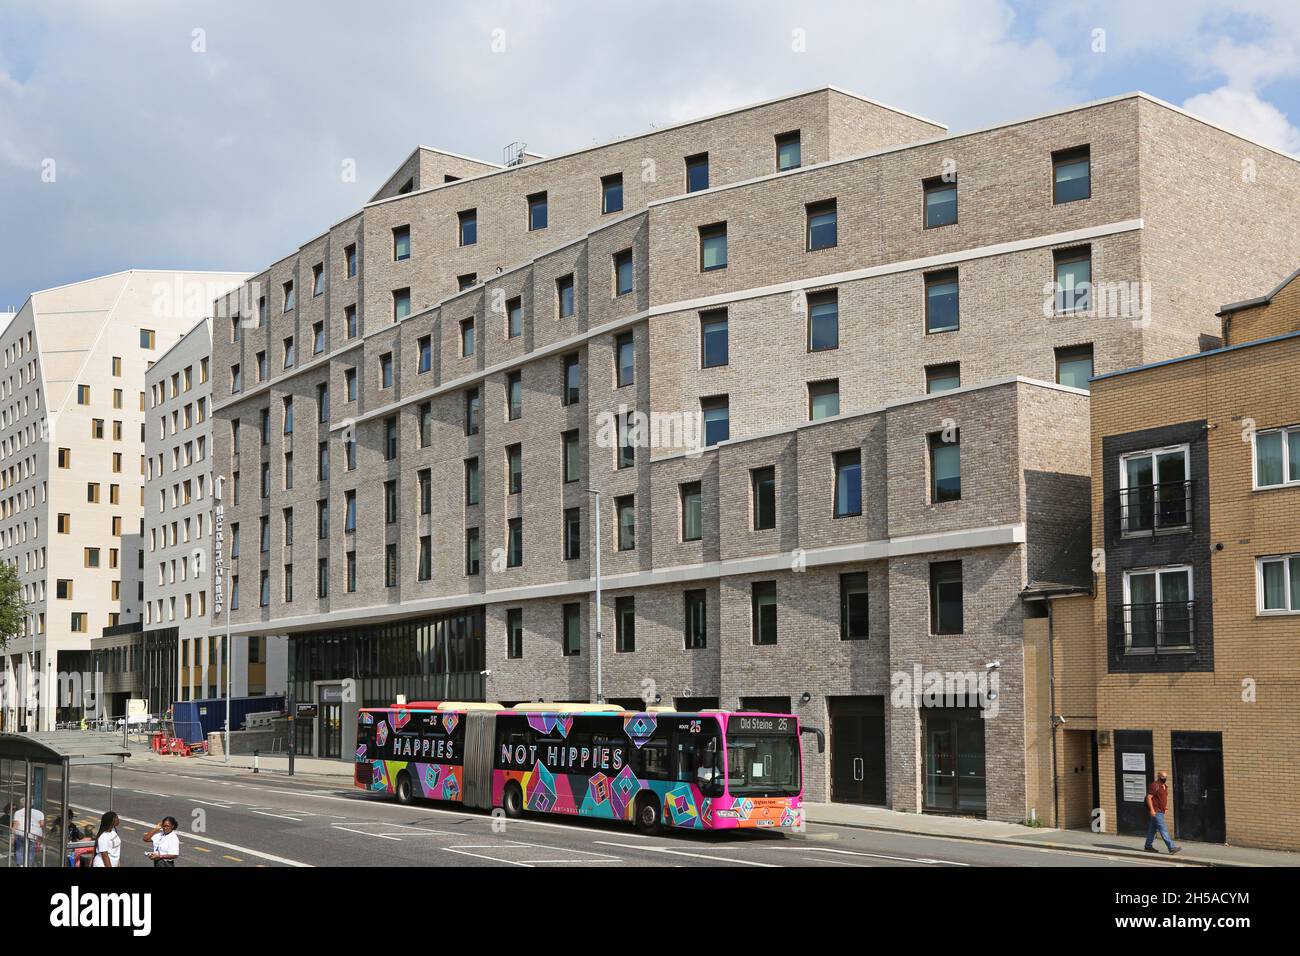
[219,559]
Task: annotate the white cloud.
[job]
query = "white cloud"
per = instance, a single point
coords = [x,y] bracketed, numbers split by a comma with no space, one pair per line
[1242,111]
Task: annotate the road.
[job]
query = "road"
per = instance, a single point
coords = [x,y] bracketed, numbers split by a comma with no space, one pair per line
[234,818]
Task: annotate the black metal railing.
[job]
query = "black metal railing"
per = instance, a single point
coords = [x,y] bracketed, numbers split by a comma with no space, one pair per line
[1152,630]
[1151,509]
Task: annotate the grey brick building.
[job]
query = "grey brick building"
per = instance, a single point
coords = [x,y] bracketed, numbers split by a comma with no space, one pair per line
[862,346]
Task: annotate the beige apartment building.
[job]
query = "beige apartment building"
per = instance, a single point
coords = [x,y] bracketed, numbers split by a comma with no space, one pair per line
[822,366]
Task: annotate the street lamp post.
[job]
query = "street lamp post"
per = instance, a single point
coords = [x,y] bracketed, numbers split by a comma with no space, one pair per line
[600,687]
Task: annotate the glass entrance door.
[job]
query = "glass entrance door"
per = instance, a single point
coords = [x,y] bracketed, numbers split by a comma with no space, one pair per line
[331,730]
[954,760]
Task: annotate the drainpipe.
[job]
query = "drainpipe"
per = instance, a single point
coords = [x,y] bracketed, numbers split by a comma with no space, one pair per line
[1051,720]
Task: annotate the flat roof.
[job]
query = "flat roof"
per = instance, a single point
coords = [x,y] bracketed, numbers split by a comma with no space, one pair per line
[1196,355]
[78,748]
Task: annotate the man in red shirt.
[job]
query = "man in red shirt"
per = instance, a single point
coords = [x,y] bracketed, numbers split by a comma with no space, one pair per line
[1157,806]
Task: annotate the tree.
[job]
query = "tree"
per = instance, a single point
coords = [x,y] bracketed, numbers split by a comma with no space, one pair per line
[13,610]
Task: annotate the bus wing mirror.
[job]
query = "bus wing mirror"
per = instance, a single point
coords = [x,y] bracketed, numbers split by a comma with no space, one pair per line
[821,737]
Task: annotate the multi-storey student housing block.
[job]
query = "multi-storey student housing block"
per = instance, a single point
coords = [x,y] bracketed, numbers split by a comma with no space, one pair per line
[865,327]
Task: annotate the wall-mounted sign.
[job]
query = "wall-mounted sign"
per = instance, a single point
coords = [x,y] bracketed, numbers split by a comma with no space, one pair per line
[218,559]
[1136,761]
[1135,787]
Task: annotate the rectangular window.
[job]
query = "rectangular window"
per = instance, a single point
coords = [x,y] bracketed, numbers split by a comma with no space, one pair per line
[623,272]
[823,399]
[322,520]
[848,483]
[514,318]
[940,202]
[147,339]
[290,297]
[762,485]
[514,469]
[472,482]
[1074,366]
[351,572]
[713,247]
[390,566]
[350,384]
[697,172]
[468,227]
[942,378]
[564,296]
[626,457]
[424,423]
[692,511]
[789,154]
[390,438]
[350,260]
[1158,610]
[713,339]
[424,568]
[763,612]
[945,597]
[317,338]
[1155,490]
[945,467]
[466,281]
[624,360]
[1277,457]
[572,615]
[349,511]
[695,630]
[572,380]
[1071,175]
[537,212]
[941,308]
[625,512]
[1073,279]
[717,419]
[515,543]
[471,551]
[401,304]
[822,225]
[625,624]
[322,577]
[466,337]
[823,321]
[572,534]
[611,193]
[853,606]
[514,395]
[1278,584]
[472,409]
[425,361]
[515,633]
[318,279]
[424,478]
[323,402]
[390,502]
[401,243]
[572,456]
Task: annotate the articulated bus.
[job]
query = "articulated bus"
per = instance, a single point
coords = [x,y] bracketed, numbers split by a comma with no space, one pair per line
[656,768]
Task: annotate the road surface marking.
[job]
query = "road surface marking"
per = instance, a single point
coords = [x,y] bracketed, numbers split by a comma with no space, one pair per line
[278,816]
[701,856]
[233,859]
[886,856]
[378,836]
[207,839]
[483,856]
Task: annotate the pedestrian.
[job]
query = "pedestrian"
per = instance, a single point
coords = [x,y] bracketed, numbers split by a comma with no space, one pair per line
[108,845]
[166,842]
[1157,806]
[28,826]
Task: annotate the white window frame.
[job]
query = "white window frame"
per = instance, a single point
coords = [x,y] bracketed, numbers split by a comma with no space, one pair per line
[1153,452]
[1289,433]
[1289,610]
[1128,602]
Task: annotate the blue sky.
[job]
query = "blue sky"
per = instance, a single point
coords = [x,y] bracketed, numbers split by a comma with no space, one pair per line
[210,134]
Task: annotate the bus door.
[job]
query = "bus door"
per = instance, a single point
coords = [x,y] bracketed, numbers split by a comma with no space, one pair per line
[697,759]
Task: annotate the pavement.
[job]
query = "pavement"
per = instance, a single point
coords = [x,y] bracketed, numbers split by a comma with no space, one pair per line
[835,831]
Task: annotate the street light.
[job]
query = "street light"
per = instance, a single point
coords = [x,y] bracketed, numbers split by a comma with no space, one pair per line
[600,687]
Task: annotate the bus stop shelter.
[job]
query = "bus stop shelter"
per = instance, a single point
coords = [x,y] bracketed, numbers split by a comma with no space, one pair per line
[36,775]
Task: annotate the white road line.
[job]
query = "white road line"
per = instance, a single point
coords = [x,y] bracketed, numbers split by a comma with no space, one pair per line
[886,856]
[484,856]
[700,856]
[823,861]
[278,816]
[206,839]
[377,836]
[204,803]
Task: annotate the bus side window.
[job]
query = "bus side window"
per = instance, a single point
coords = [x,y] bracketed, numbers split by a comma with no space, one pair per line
[654,760]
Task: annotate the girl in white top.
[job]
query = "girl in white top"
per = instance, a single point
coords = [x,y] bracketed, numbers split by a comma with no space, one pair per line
[108,845]
[165,841]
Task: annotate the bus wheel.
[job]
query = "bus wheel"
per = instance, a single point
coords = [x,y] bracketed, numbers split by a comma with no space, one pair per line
[512,801]
[405,791]
[647,814]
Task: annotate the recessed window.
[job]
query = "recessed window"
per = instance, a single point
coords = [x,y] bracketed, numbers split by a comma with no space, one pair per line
[1074,366]
[625,624]
[625,360]
[940,202]
[853,607]
[1277,584]
[717,419]
[572,456]
[713,247]
[1158,610]
[823,228]
[695,631]
[290,354]
[1071,175]
[515,543]
[390,565]
[424,479]
[537,212]
[623,272]
[1155,490]
[350,384]
[514,396]
[763,612]
[290,297]
[401,243]
[424,423]
[945,597]
[514,469]
[515,633]
[941,307]
[789,154]
[692,511]
[471,551]
[401,304]
[945,466]
[942,378]
[611,193]
[713,338]
[468,227]
[472,482]
[318,279]
[848,483]
[571,615]
[425,361]
[466,281]
[83,394]
[762,485]
[390,502]
[390,438]
[572,380]
[1073,269]
[424,567]
[1277,457]
[147,339]
[317,338]
[626,457]
[625,523]
[823,399]
[386,370]
[467,337]
[350,320]
[350,260]
[472,411]
[823,321]
[564,296]
[697,172]
[514,318]
[572,533]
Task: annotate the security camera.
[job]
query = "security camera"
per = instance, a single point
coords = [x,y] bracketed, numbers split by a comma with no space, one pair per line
[992,665]
[484,673]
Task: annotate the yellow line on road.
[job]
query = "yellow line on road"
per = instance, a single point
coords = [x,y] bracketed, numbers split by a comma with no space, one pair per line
[232,859]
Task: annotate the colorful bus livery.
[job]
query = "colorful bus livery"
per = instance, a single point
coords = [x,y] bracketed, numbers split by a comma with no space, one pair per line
[708,770]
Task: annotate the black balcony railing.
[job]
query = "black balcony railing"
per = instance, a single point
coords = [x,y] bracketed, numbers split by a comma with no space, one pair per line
[1152,509]
[1153,630]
